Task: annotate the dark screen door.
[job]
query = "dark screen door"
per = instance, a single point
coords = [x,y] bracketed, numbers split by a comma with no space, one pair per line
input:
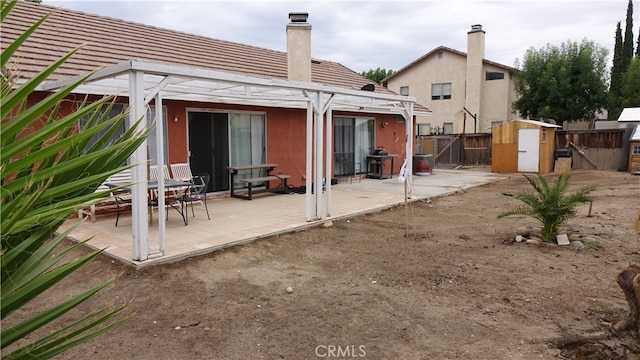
[209,147]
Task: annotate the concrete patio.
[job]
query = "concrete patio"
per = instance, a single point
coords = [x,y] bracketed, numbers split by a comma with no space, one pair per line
[235,221]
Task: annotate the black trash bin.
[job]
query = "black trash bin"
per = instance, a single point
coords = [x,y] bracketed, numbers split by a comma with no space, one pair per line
[564,153]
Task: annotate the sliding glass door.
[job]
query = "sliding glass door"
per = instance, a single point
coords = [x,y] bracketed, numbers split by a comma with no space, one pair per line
[353,140]
[218,140]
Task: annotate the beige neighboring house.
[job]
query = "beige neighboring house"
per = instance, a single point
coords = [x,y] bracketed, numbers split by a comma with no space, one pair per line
[465,92]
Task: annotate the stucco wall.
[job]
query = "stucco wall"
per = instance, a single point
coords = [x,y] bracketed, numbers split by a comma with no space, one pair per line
[496,95]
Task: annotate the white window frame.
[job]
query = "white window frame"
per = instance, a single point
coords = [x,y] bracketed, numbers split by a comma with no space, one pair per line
[447,128]
[441,91]
[424,129]
[404,90]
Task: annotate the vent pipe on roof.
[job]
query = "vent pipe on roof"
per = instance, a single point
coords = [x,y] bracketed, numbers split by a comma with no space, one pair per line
[299,47]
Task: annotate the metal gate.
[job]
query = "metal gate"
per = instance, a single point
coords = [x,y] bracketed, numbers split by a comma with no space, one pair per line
[446,149]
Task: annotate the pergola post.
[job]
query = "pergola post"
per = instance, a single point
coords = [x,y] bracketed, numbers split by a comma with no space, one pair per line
[309,159]
[162,215]
[329,157]
[318,146]
[139,216]
[409,126]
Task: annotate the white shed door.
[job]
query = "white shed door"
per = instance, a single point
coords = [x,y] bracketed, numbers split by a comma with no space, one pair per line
[528,150]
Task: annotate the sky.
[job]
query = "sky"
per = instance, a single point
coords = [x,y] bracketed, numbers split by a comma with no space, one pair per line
[365,35]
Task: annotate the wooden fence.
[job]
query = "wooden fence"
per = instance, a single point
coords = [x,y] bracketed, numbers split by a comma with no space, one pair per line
[601,149]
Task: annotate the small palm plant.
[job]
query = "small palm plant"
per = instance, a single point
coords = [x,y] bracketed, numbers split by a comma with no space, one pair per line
[49,168]
[549,203]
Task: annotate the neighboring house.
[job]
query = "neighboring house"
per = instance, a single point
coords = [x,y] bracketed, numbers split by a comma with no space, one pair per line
[465,92]
[223,103]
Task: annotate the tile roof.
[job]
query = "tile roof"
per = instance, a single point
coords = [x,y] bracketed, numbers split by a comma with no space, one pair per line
[108,41]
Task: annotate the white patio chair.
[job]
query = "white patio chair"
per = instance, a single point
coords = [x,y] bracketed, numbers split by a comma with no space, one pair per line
[154,173]
[181,171]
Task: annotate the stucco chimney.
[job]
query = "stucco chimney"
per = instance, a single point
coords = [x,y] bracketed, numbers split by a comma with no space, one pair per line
[475,72]
[299,47]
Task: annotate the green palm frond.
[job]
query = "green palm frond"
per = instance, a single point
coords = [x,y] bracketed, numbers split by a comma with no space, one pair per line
[50,167]
[549,203]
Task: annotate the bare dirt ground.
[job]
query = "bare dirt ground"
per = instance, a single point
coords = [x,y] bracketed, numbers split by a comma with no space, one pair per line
[457,287]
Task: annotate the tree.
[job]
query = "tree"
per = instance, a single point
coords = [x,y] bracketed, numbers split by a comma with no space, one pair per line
[627,45]
[617,71]
[566,83]
[631,84]
[638,44]
[623,54]
[377,75]
[47,173]
[549,203]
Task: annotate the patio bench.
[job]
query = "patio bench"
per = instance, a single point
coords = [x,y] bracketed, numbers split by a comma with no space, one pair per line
[282,188]
[116,200]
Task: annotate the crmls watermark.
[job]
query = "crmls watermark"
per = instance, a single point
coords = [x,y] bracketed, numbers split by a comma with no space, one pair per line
[341,351]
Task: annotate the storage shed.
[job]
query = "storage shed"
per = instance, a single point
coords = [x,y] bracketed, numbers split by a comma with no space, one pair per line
[634,151]
[523,146]
[629,117]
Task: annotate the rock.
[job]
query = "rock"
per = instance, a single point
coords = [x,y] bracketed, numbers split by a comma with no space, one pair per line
[538,239]
[578,245]
[519,238]
[531,241]
[562,239]
[536,231]
[574,237]
[328,224]
[523,231]
[587,239]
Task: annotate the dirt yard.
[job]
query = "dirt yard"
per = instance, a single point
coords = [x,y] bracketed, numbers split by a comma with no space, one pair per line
[457,287]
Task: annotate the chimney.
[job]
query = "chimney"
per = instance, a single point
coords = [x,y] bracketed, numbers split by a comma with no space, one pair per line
[299,47]
[475,69]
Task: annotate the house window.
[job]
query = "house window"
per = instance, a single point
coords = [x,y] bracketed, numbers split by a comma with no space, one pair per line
[247,141]
[636,149]
[424,129]
[117,109]
[494,75]
[353,140]
[447,128]
[440,91]
[404,90]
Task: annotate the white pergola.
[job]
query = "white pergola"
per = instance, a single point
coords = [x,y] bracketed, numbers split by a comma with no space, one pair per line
[143,81]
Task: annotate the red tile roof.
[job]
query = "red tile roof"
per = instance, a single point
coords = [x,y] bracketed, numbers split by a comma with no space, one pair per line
[109,41]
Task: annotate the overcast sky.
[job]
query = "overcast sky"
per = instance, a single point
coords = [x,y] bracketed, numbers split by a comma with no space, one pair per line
[390,34]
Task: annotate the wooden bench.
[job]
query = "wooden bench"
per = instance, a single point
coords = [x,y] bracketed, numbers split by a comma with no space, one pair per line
[282,188]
